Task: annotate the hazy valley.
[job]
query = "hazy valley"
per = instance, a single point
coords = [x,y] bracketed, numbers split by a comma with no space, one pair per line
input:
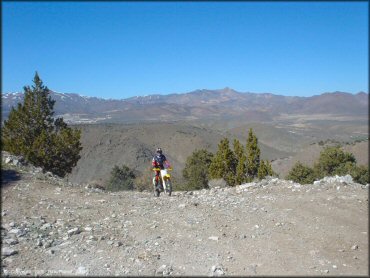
[116,132]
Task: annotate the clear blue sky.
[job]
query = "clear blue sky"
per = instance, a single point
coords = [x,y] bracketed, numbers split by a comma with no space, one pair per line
[123,49]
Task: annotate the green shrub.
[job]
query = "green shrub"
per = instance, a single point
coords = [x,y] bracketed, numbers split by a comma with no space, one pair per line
[301,174]
[121,179]
[195,171]
[360,174]
[333,161]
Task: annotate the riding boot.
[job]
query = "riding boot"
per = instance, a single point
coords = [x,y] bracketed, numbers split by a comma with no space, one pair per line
[157,184]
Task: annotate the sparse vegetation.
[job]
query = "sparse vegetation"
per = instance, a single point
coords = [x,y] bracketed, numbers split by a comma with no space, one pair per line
[358,139]
[352,141]
[332,161]
[32,132]
[196,169]
[241,165]
[301,174]
[122,178]
[360,174]
[329,142]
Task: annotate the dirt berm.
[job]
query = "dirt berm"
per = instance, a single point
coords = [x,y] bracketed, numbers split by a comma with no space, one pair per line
[272,227]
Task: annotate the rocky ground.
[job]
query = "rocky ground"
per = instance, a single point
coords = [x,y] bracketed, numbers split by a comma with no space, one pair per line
[271,227]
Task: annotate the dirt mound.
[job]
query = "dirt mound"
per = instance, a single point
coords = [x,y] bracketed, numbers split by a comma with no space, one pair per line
[271,227]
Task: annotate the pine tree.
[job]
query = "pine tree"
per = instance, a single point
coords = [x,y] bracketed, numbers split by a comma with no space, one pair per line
[223,163]
[241,159]
[29,119]
[265,169]
[262,170]
[270,172]
[196,169]
[32,132]
[253,156]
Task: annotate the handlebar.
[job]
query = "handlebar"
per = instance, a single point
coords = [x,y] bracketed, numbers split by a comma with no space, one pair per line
[158,169]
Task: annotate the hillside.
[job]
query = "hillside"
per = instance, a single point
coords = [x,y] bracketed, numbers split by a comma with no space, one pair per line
[273,227]
[134,145]
[107,145]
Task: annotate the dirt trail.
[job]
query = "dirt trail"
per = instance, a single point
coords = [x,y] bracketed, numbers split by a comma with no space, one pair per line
[272,227]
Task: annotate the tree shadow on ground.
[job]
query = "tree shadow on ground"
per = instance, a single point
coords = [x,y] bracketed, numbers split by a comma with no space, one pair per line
[8,177]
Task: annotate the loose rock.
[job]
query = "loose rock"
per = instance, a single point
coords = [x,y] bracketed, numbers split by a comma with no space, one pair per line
[73,231]
[6,251]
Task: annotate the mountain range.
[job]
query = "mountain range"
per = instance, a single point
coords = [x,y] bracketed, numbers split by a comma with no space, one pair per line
[200,104]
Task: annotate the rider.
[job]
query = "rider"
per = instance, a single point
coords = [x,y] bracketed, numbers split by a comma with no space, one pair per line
[158,161]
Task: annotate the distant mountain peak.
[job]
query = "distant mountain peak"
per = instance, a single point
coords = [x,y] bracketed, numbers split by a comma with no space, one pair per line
[228,90]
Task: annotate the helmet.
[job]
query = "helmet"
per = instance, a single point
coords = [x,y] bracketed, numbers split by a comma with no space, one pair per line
[159,150]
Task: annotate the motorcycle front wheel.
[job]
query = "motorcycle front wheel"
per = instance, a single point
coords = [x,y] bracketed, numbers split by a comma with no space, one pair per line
[156,189]
[169,187]
[156,193]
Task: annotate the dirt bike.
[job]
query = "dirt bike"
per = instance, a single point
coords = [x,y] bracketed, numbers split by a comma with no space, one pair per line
[164,183]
